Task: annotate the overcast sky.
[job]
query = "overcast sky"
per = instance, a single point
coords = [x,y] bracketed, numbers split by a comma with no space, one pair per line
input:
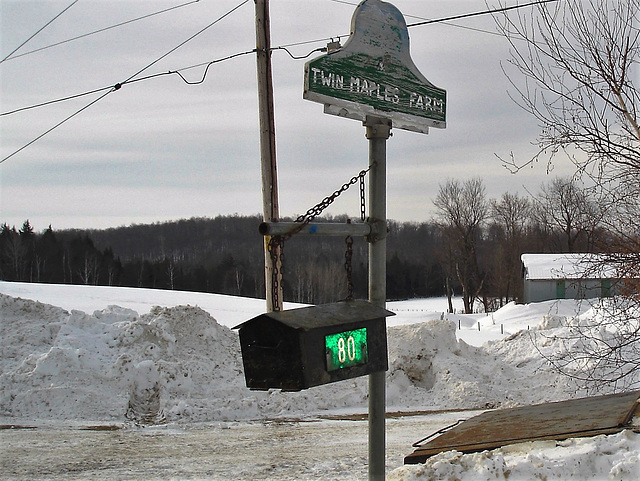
[160,149]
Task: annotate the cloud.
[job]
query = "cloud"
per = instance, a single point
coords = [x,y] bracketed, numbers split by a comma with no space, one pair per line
[162,149]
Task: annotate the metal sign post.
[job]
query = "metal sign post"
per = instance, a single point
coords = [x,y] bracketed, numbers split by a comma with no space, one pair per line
[378,131]
[373,79]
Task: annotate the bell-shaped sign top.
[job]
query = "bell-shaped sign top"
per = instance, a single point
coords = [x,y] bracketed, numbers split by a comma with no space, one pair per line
[374,75]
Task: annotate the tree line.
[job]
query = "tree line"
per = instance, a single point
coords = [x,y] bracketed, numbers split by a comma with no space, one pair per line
[471,248]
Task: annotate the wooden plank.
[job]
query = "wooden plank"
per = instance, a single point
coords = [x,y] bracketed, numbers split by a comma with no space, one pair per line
[560,420]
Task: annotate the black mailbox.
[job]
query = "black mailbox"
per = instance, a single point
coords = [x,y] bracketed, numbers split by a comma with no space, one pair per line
[300,348]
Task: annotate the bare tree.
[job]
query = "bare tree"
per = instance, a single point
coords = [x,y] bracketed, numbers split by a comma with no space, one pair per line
[512,214]
[88,271]
[574,66]
[14,252]
[170,271]
[569,213]
[463,208]
[447,261]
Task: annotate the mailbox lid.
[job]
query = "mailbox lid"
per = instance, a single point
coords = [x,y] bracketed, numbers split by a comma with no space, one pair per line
[326,315]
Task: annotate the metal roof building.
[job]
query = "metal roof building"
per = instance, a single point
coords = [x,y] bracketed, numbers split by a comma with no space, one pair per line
[566,276]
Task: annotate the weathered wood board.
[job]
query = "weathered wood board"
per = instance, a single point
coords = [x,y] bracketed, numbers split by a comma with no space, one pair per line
[557,421]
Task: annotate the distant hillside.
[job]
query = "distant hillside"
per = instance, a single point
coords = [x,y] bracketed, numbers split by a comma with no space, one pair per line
[222,254]
[192,240]
[472,249]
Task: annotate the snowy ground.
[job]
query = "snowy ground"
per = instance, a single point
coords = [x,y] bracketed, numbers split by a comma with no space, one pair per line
[75,356]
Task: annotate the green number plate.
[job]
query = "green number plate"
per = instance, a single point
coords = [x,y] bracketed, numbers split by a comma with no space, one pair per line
[346,349]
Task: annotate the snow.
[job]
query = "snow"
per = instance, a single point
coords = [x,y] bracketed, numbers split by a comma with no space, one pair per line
[79,354]
[612,457]
[567,266]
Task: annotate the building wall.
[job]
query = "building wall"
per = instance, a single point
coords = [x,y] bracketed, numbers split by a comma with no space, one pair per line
[584,289]
[539,290]
[549,289]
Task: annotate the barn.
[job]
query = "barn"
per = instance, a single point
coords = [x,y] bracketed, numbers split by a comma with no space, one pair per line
[566,276]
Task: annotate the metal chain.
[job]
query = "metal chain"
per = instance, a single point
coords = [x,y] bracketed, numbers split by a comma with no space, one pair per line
[348,256]
[276,243]
[275,248]
[317,209]
[363,206]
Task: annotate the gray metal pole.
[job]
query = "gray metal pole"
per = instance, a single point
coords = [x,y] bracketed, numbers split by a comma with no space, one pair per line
[378,131]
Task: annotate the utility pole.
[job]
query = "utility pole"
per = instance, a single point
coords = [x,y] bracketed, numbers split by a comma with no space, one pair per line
[270,207]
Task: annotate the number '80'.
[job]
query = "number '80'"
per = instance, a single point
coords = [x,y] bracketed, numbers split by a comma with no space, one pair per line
[346,349]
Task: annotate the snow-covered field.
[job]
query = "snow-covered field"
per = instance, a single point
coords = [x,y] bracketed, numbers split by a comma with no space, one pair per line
[77,356]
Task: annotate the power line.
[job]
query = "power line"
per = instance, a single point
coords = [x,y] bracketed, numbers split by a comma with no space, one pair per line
[189,39]
[307,42]
[40,30]
[281,47]
[102,29]
[55,101]
[128,80]
[321,49]
[57,125]
[484,12]
[447,20]
[206,70]
[132,79]
[177,72]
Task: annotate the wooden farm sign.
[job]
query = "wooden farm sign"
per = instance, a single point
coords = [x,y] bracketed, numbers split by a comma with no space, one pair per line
[373,74]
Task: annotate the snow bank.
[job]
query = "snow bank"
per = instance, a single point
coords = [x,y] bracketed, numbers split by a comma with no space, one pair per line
[180,364]
[171,364]
[431,369]
[612,457]
[113,363]
[226,309]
